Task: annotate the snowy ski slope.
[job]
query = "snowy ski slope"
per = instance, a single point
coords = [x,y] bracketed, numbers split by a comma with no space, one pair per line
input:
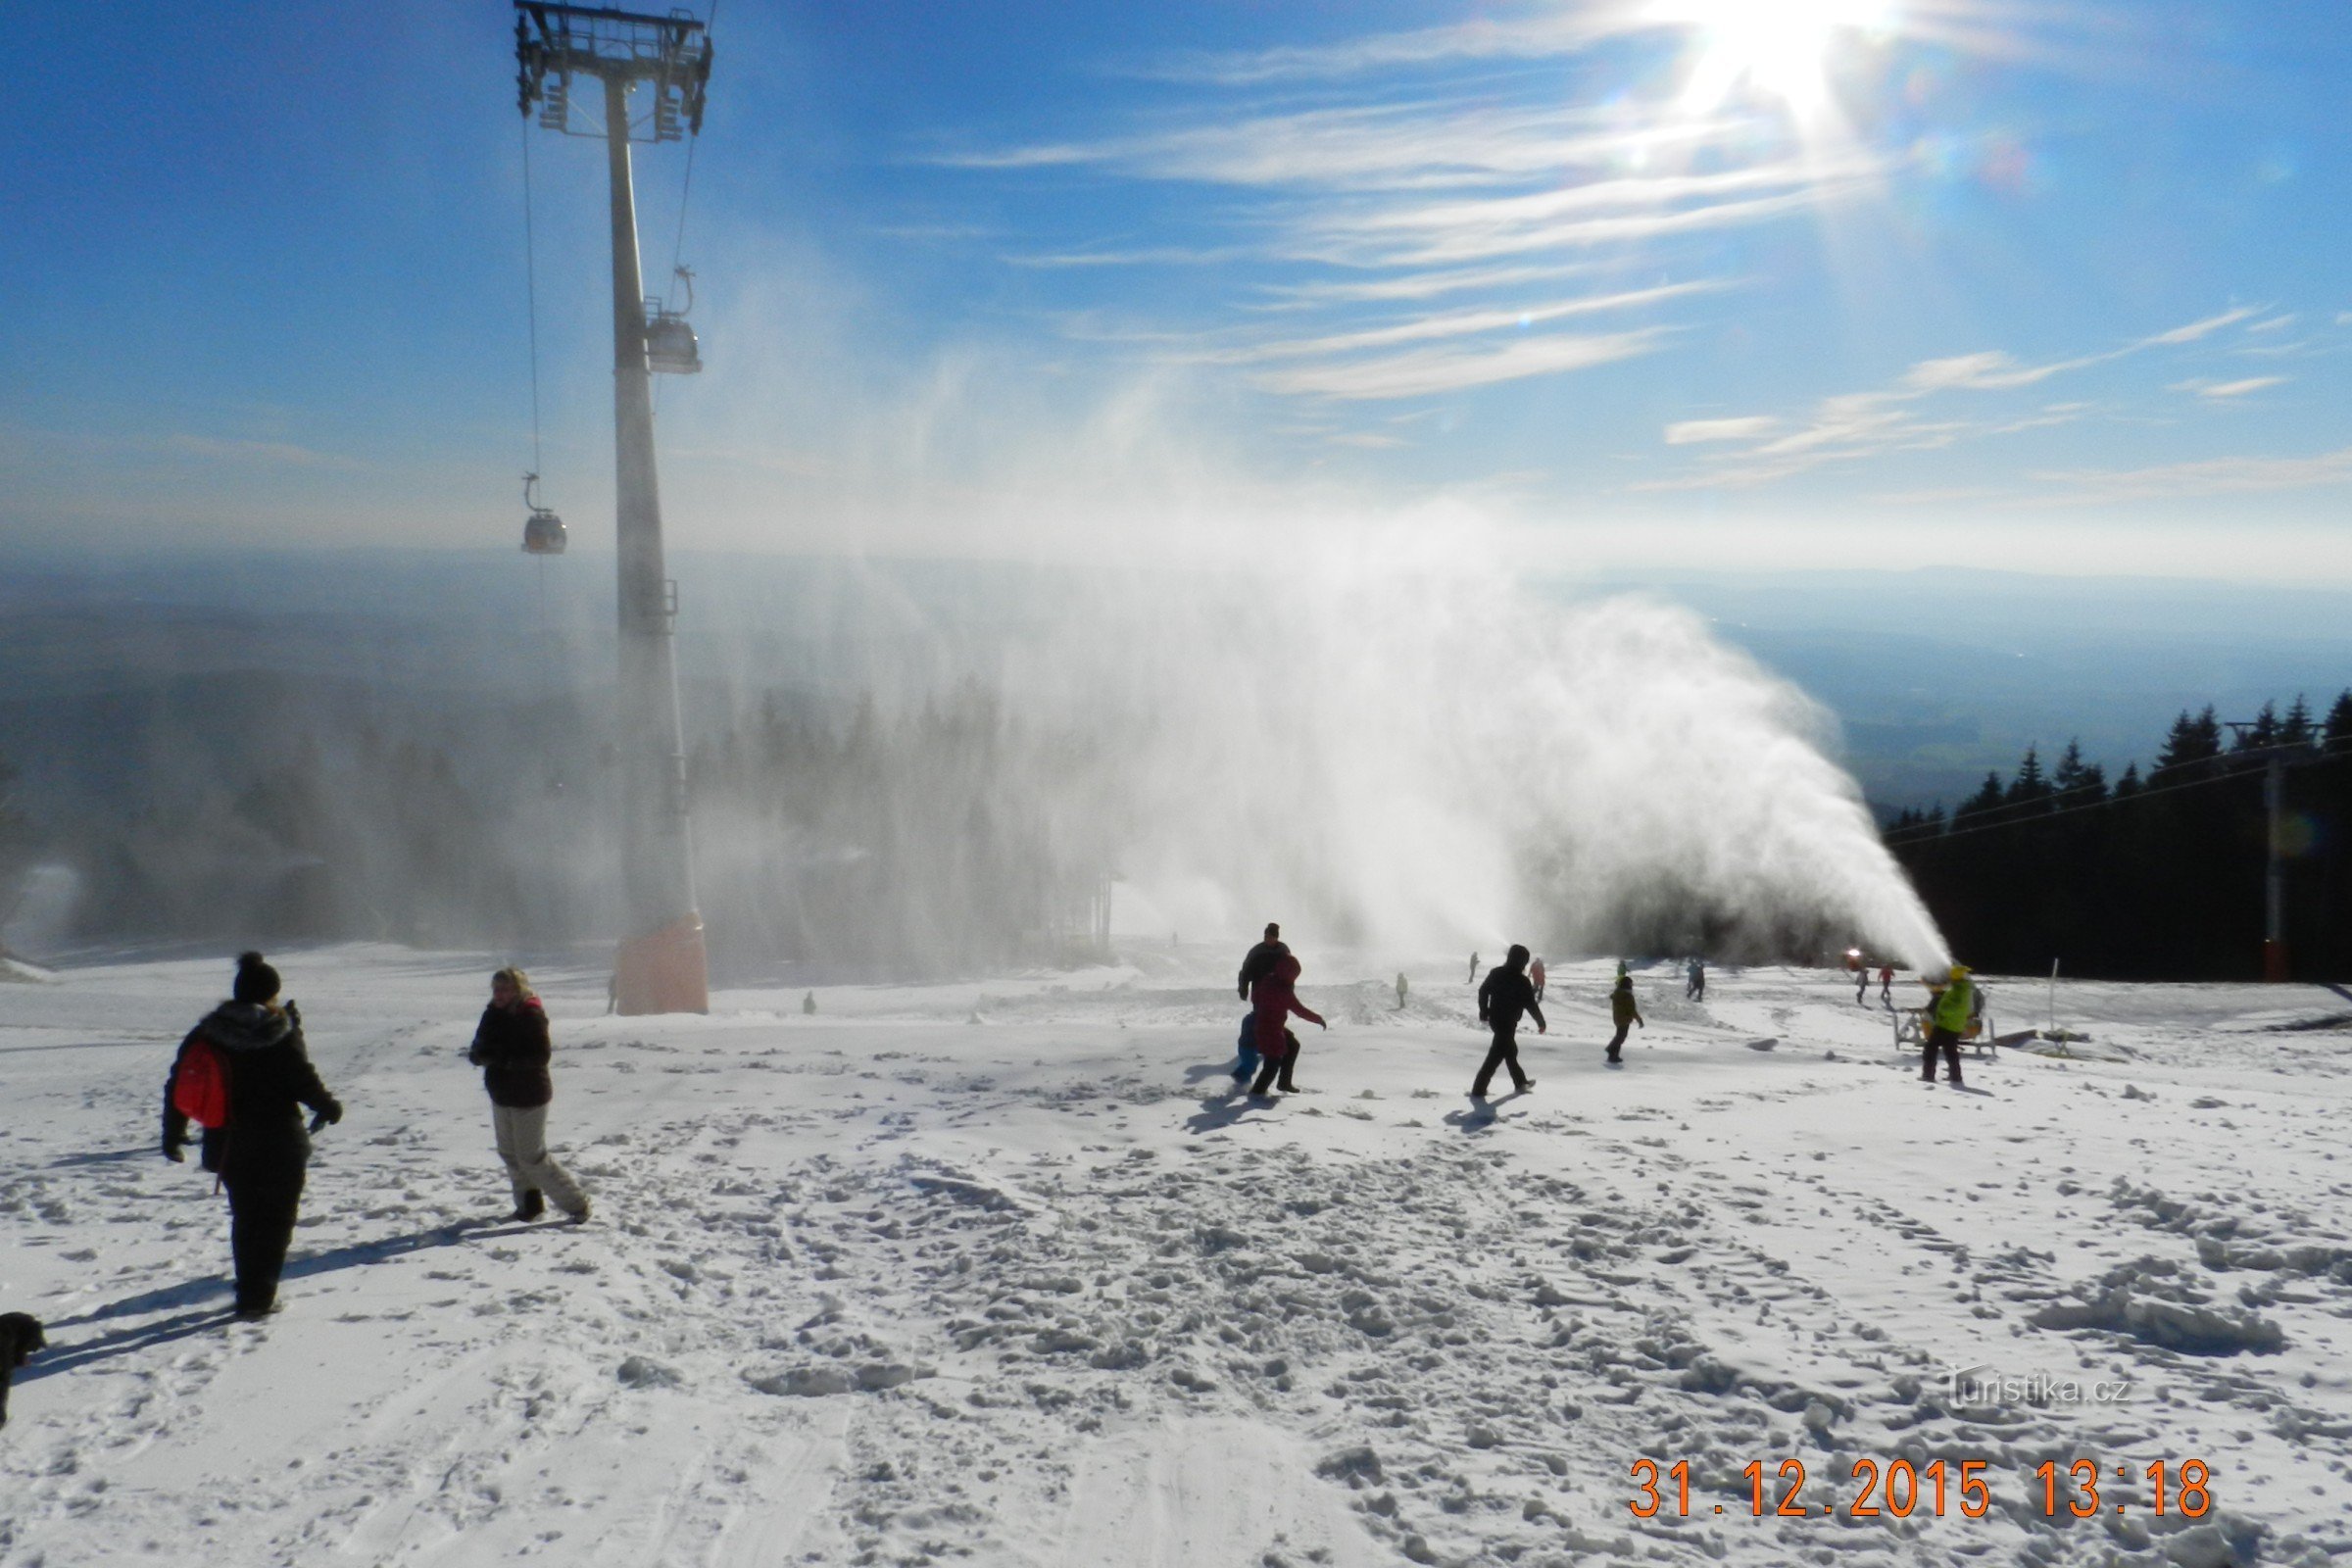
[999,1273]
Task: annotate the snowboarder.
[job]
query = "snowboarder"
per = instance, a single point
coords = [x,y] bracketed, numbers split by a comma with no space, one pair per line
[1695,980]
[1623,1012]
[1950,1005]
[1534,977]
[1887,985]
[247,1066]
[1507,993]
[1273,1000]
[512,1046]
[1473,974]
[1401,988]
[1261,959]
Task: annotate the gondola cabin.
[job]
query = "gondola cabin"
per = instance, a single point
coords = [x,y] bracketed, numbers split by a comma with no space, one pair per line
[543,533]
[670,345]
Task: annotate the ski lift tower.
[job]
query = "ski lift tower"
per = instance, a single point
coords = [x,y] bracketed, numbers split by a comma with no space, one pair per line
[660,967]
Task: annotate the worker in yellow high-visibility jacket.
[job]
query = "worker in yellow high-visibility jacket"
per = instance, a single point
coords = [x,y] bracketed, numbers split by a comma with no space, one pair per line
[1949,1008]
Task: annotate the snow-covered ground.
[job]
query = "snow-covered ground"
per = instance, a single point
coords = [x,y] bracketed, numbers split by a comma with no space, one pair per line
[1003,1273]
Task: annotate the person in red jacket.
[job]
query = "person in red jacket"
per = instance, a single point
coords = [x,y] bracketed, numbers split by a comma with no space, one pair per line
[512,1048]
[1273,999]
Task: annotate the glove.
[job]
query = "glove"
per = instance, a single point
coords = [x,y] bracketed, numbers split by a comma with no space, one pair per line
[176,1150]
[473,1055]
[333,1112]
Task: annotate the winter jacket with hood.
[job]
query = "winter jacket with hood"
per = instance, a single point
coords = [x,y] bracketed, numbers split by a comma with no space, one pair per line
[1954,1005]
[1503,995]
[512,1048]
[1260,962]
[1273,1000]
[270,1079]
[1622,1007]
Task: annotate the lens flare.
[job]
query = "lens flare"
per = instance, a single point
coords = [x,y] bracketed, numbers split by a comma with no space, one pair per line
[1777,47]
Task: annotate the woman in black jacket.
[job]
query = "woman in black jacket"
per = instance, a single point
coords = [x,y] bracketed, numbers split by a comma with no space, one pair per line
[512,1048]
[261,1149]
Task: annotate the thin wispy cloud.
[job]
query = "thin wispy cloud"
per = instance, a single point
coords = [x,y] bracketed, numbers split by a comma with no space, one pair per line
[1690,432]
[1460,324]
[1543,37]
[1427,371]
[1406,209]
[2208,477]
[2219,390]
[258,454]
[1853,427]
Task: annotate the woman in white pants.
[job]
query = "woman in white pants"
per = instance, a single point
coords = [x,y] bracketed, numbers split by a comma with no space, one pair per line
[512,1046]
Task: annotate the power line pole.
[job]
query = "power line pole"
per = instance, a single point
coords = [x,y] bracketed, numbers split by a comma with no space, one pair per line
[661,965]
[2277,756]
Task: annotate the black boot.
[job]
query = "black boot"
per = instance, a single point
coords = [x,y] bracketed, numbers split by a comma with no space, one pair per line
[533,1206]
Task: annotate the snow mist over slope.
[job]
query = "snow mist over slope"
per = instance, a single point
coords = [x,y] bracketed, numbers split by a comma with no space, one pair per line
[1414,755]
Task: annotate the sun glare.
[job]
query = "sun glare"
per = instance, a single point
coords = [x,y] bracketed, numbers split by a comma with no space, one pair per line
[1779,47]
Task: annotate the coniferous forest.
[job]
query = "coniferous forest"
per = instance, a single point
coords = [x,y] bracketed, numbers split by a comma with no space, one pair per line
[2155,875]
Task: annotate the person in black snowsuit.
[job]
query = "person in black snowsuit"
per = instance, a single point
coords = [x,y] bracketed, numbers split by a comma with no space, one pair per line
[260,1151]
[1261,959]
[1506,993]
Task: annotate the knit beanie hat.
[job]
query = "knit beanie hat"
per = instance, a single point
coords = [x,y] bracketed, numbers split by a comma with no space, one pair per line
[256,980]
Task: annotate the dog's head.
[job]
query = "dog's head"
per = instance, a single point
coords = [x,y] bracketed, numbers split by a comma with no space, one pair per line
[20,1335]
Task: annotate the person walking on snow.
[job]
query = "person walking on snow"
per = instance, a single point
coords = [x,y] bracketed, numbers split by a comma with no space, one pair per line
[1623,1012]
[1534,978]
[1400,989]
[1694,981]
[1507,993]
[1949,1008]
[1261,959]
[512,1047]
[1473,974]
[247,1062]
[1887,985]
[1273,1000]
[1861,982]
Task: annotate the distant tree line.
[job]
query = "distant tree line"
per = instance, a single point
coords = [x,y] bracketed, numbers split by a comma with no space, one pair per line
[946,840]
[941,840]
[2156,876]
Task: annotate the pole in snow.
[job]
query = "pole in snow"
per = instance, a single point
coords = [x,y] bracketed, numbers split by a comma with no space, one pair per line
[2273,876]
[661,965]
[2277,756]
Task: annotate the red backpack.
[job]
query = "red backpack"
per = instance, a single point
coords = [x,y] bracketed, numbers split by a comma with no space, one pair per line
[200,1091]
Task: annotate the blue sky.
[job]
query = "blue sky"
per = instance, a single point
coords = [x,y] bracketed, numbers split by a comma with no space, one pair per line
[1866,283]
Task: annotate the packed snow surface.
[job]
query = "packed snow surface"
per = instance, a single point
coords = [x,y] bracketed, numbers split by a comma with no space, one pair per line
[1005,1272]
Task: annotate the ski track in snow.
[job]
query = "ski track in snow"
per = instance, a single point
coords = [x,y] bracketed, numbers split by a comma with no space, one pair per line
[884,1286]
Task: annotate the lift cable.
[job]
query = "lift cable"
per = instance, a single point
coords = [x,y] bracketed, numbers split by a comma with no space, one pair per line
[677,250]
[2023,811]
[530,287]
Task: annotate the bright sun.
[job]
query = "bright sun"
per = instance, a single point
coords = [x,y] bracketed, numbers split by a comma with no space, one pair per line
[1781,47]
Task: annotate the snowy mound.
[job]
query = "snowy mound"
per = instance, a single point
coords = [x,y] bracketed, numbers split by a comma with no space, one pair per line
[16,972]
